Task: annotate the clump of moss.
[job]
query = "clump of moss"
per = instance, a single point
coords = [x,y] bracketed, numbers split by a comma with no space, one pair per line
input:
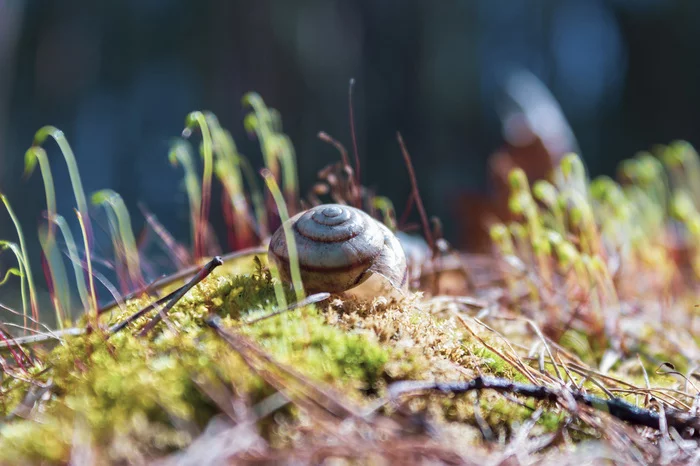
[303,339]
[425,347]
[422,347]
[142,391]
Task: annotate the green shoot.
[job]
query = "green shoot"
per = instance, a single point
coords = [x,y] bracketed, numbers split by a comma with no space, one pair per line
[227,169]
[605,281]
[386,208]
[22,273]
[73,172]
[113,201]
[88,261]
[37,154]
[581,216]
[691,167]
[519,234]
[289,170]
[289,236]
[198,119]
[502,240]
[572,175]
[256,198]
[11,271]
[276,147]
[260,123]
[568,256]
[25,259]
[56,273]
[181,154]
[53,257]
[545,192]
[75,259]
[522,203]
[653,177]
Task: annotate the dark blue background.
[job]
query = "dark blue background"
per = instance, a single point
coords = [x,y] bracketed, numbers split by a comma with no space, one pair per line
[119,77]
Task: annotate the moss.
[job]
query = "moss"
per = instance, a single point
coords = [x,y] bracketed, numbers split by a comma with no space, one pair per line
[139,398]
[578,343]
[420,346]
[495,365]
[305,341]
[30,441]
[141,391]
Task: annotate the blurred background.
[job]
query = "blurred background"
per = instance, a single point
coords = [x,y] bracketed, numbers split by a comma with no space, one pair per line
[118,77]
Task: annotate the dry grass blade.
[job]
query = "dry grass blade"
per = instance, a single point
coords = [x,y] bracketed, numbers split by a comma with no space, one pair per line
[201,275]
[42,337]
[313,299]
[183,274]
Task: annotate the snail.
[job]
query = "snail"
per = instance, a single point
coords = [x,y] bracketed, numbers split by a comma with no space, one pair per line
[339,247]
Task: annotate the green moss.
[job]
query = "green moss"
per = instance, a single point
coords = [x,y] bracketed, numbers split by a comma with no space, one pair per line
[494,364]
[145,389]
[303,340]
[30,442]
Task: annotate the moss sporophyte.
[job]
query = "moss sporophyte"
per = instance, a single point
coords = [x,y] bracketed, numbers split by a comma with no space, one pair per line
[578,330]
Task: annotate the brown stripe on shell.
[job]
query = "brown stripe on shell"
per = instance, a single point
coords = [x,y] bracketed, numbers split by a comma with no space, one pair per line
[341,268]
[327,240]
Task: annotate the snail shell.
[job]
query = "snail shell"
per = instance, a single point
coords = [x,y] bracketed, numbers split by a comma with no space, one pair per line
[339,247]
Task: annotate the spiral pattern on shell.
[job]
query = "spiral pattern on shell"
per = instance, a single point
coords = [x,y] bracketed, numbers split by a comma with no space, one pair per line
[339,247]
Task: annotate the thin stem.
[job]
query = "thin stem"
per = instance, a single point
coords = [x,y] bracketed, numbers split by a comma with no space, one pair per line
[141,312]
[353,135]
[353,186]
[416,194]
[314,298]
[18,359]
[31,157]
[184,273]
[54,273]
[179,254]
[294,268]
[180,153]
[198,118]
[22,271]
[73,172]
[325,137]
[25,258]
[127,241]
[201,275]
[406,210]
[88,261]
